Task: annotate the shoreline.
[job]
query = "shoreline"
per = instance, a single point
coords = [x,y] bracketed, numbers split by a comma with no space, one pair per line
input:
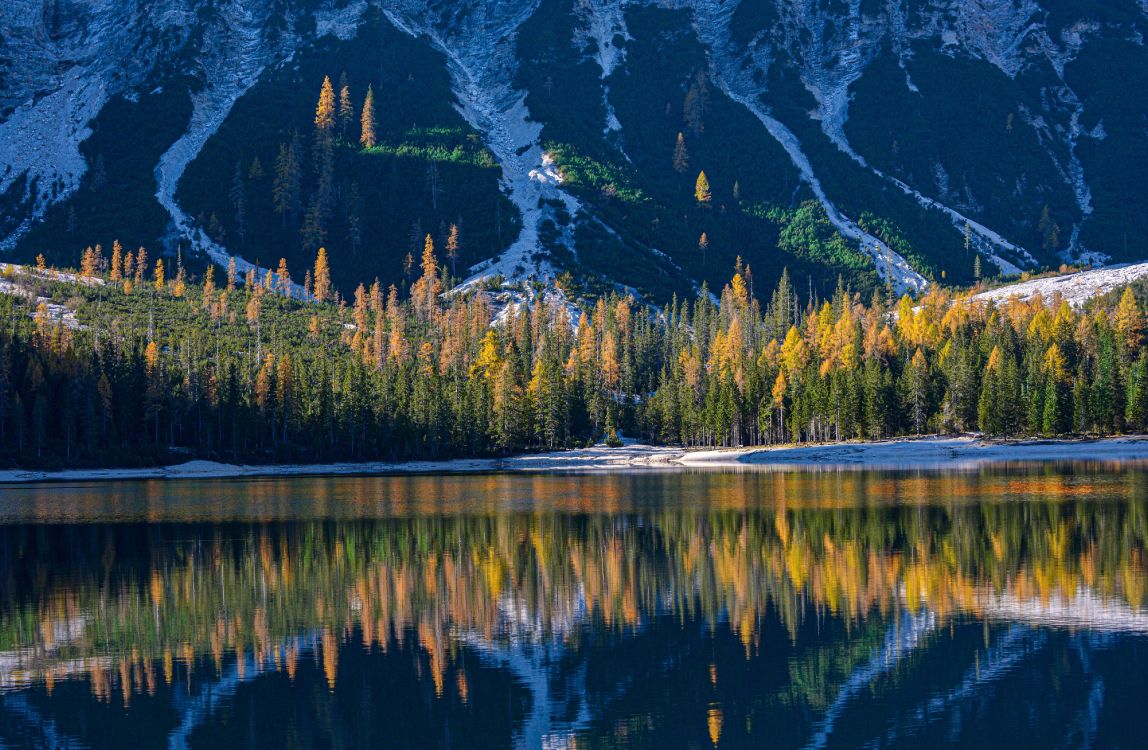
[927,453]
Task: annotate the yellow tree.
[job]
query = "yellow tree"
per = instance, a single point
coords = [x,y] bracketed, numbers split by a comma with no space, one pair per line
[117,272]
[180,285]
[489,359]
[141,265]
[151,357]
[88,262]
[1129,321]
[702,189]
[322,276]
[209,283]
[325,110]
[794,352]
[425,291]
[159,277]
[367,120]
[283,278]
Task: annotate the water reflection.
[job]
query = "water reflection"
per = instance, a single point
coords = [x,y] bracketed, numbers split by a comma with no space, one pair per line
[655,610]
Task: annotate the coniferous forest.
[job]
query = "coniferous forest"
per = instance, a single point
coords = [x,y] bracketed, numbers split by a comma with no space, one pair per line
[129,362]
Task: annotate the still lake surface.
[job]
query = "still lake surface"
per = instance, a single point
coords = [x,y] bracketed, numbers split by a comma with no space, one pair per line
[1005,607]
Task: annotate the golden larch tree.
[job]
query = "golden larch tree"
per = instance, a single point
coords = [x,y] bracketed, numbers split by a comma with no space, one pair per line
[702,189]
[117,272]
[283,278]
[367,120]
[321,279]
[325,110]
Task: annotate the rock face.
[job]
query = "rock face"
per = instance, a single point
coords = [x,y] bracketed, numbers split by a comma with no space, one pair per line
[995,118]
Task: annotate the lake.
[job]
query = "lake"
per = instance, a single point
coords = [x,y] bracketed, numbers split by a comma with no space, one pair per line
[1003,607]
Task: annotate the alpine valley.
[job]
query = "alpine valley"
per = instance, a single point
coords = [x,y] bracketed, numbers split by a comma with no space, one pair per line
[604,144]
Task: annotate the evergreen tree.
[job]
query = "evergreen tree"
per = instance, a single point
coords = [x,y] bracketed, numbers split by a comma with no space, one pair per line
[453,245]
[287,186]
[238,196]
[681,156]
[346,107]
[696,103]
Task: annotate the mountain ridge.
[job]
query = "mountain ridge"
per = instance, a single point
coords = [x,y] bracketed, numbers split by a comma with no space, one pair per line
[1018,178]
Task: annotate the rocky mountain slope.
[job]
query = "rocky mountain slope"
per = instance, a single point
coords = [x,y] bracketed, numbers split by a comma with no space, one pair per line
[891,142]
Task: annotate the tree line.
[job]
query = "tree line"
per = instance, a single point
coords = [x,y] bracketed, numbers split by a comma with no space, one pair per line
[129,363]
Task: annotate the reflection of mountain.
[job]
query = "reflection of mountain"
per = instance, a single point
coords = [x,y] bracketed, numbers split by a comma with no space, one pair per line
[803,604]
[539,579]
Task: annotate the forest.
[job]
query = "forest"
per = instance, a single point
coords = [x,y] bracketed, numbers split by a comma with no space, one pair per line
[129,362]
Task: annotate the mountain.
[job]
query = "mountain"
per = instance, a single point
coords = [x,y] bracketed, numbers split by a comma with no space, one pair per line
[880,141]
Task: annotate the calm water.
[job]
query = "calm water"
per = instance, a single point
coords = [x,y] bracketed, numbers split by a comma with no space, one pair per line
[1005,608]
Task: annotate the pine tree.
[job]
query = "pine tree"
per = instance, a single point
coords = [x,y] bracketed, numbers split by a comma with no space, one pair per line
[287,184]
[1136,409]
[238,196]
[453,246]
[367,121]
[702,190]
[917,375]
[346,107]
[313,233]
[1056,417]
[159,275]
[696,103]
[1049,231]
[989,415]
[255,172]
[681,156]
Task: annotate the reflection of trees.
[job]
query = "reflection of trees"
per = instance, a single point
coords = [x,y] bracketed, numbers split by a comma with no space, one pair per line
[128,604]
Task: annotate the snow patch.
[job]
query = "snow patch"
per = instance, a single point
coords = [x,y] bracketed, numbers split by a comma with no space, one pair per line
[603,22]
[927,453]
[57,314]
[1075,288]
[342,23]
[40,142]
